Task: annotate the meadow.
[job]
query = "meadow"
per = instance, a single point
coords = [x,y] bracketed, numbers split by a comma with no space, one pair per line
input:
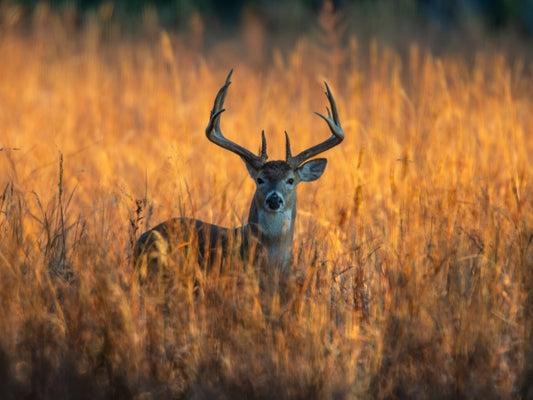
[413,275]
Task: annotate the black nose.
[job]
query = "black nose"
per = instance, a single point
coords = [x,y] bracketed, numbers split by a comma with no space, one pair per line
[274,201]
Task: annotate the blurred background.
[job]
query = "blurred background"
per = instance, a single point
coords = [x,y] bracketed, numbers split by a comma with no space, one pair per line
[416,247]
[442,25]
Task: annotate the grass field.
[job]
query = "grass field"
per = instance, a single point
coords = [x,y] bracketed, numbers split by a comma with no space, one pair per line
[413,275]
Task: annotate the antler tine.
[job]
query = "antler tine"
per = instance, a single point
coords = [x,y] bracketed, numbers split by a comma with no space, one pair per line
[337,136]
[288,154]
[214,133]
[263,154]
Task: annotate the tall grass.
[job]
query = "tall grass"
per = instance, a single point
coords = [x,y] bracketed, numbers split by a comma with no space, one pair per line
[413,272]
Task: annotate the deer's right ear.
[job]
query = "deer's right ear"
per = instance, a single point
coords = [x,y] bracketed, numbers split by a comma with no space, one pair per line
[251,170]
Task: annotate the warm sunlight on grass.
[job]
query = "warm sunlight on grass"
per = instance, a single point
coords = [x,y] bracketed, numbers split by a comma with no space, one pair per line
[413,271]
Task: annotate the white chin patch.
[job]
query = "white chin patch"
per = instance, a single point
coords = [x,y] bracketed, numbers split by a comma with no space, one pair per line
[276,222]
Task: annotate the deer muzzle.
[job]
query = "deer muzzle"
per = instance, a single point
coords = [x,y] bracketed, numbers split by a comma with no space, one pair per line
[274,201]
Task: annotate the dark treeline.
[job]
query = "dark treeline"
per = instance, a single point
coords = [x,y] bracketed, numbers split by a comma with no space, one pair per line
[448,14]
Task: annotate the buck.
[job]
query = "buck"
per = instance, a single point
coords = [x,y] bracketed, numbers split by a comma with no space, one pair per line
[267,237]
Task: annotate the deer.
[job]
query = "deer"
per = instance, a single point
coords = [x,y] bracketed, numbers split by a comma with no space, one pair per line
[267,237]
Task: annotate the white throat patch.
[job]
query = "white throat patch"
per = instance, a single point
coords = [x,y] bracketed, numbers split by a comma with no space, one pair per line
[277,223]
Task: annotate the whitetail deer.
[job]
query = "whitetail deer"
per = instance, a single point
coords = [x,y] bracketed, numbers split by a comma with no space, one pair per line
[268,235]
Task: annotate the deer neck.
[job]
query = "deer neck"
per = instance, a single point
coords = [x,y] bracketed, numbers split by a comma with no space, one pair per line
[274,231]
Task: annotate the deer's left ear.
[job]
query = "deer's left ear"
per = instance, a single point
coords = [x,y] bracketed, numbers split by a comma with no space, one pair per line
[312,170]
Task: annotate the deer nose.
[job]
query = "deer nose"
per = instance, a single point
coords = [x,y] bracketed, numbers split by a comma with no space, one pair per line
[274,201]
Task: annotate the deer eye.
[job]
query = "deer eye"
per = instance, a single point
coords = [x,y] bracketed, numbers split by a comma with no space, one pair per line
[260,181]
[290,181]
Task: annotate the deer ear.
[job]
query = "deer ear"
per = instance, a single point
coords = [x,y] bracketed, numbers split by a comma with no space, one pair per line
[251,170]
[312,170]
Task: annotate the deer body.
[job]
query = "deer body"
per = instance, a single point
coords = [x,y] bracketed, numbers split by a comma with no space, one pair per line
[268,235]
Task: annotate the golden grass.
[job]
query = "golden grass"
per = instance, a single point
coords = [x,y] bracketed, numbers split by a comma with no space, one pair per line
[413,276]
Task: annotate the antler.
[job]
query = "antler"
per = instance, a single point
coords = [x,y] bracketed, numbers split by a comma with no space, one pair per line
[214,134]
[334,125]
